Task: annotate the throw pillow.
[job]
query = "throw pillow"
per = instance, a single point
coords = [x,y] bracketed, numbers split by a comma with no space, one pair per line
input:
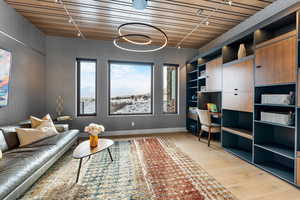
[30,135]
[35,122]
[0,154]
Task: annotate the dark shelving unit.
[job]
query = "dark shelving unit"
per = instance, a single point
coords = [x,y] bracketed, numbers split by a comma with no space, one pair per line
[273,147]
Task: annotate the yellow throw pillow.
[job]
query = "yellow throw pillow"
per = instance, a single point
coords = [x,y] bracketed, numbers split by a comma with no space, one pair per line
[35,122]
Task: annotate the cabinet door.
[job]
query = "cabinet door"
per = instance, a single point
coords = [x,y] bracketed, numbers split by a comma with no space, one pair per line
[239,101]
[214,75]
[275,63]
[238,77]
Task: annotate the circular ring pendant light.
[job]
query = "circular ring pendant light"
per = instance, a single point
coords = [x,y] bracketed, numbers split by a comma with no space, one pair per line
[149,41]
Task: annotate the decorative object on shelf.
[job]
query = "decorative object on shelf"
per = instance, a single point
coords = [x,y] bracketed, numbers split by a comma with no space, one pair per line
[285,99]
[140,4]
[5,63]
[278,117]
[148,38]
[64,118]
[242,51]
[194,97]
[94,130]
[211,107]
[203,88]
[59,105]
[202,73]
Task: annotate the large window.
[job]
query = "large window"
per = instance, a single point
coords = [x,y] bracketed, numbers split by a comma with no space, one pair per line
[170,88]
[86,87]
[130,88]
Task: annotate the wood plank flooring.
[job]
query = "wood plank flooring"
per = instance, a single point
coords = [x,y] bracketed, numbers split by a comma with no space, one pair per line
[244,180]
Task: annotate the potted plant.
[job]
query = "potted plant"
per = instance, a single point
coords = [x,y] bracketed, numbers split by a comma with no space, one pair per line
[94,130]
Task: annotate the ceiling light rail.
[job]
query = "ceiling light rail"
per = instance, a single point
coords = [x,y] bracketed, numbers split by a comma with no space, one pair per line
[205,20]
[71,20]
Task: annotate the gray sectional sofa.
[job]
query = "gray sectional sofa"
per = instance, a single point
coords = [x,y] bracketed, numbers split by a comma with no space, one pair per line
[21,167]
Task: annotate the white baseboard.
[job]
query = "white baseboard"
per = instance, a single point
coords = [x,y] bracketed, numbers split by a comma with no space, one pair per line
[143,131]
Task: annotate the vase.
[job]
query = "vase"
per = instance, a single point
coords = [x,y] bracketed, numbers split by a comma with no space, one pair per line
[93,141]
[242,51]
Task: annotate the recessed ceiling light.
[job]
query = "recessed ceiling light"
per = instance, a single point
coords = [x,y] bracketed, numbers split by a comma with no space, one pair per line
[207,23]
[78,34]
[70,21]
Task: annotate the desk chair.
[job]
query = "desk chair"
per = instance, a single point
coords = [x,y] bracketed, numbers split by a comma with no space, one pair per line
[206,125]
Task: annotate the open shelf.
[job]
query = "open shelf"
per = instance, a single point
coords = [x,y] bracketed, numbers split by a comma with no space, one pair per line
[193,80]
[275,124]
[280,171]
[194,71]
[279,149]
[245,155]
[241,132]
[238,60]
[238,145]
[274,163]
[201,77]
[275,105]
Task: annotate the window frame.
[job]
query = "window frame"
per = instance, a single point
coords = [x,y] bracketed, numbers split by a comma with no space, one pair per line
[177,88]
[78,67]
[109,87]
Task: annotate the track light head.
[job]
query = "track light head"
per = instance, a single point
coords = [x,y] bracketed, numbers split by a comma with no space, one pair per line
[140,4]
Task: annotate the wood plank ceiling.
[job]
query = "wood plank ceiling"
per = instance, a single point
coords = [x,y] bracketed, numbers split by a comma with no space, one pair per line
[99,19]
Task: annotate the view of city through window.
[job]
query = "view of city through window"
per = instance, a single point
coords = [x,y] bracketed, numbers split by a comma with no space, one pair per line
[130,88]
[87,87]
[170,89]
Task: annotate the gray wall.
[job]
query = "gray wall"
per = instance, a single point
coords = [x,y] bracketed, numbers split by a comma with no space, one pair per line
[27,86]
[60,80]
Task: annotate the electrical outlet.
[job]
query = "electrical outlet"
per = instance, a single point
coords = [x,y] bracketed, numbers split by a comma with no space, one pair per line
[132,124]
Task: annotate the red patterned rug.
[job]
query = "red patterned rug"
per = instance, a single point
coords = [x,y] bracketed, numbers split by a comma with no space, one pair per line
[148,168]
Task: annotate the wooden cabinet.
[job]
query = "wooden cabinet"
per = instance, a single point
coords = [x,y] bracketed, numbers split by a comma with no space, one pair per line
[214,75]
[238,85]
[239,101]
[238,77]
[275,62]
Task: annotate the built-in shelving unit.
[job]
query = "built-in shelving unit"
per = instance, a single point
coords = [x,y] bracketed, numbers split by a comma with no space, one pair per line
[256,129]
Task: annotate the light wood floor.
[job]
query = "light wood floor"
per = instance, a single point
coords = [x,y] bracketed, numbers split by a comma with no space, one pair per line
[244,180]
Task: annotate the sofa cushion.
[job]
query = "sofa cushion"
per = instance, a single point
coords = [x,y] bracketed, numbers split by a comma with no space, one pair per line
[3,144]
[18,164]
[10,135]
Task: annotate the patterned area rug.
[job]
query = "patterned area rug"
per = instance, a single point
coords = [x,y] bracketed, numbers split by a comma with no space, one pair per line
[148,168]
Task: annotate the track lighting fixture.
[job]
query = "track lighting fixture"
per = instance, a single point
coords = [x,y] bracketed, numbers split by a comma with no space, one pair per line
[140,4]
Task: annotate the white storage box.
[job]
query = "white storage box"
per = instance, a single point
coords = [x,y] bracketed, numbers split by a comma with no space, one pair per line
[276,99]
[280,118]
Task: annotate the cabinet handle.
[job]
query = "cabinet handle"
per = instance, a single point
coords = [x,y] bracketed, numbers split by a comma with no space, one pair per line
[235,89]
[258,66]
[235,94]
